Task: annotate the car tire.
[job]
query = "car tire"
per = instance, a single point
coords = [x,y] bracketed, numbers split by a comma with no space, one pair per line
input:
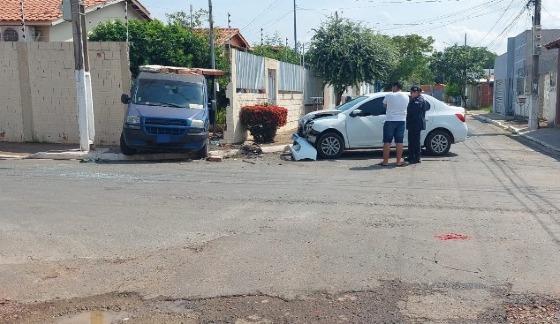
[438,142]
[203,152]
[125,149]
[330,146]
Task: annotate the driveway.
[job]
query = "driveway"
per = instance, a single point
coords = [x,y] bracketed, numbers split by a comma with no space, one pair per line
[471,237]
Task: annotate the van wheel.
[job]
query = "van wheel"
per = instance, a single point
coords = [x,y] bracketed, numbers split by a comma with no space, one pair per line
[438,143]
[203,152]
[330,146]
[125,149]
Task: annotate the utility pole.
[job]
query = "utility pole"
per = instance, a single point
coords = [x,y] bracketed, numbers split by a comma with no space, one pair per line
[212,59]
[83,77]
[192,18]
[537,46]
[228,20]
[22,15]
[465,39]
[262,36]
[295,27]
[286,49]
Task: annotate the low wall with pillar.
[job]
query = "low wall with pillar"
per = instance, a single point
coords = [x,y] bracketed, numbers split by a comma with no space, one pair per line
[38,92]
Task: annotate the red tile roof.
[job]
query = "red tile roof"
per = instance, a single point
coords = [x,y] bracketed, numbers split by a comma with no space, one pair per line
[41,10]
[223,35]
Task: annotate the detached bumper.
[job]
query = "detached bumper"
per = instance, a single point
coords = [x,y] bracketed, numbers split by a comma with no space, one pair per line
[139,140]
[302,149]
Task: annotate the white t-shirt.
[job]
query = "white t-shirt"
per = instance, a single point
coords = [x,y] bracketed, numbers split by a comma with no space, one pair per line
[396,102]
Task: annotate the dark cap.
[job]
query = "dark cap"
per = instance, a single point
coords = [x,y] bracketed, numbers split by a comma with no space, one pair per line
[415,89]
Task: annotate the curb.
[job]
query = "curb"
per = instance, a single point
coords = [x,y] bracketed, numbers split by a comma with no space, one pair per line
[517,131]
[542,143]
[275,149]
[514,130]
[106,156]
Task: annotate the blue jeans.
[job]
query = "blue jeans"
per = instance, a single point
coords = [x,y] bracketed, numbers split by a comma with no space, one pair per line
[393,130]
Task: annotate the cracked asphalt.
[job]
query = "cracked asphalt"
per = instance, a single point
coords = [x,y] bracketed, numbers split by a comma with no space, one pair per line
[276,241]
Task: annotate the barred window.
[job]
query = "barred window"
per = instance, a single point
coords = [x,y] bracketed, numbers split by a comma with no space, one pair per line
[11,35]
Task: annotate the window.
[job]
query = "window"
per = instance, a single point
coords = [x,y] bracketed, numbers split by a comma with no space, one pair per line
[170,93]
[373,107]
[11,35]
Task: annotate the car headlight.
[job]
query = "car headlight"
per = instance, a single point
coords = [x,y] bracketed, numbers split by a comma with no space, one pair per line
[197,123]
[133,120]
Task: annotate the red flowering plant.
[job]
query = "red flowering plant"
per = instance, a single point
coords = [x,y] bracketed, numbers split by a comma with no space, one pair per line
[263,121]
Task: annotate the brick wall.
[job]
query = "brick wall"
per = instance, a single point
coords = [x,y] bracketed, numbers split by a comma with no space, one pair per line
[39,93]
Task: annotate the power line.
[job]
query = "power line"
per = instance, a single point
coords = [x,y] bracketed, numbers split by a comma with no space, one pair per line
[497,22]
[507,28]
[274,2]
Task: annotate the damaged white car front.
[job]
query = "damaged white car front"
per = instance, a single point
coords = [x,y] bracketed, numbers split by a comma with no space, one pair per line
[309,128]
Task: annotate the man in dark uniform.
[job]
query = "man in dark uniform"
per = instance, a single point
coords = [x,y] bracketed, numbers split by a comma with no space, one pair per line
[415,123]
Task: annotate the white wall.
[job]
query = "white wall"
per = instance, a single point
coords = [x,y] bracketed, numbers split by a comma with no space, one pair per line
[294,102]
[63,32]
[38,93]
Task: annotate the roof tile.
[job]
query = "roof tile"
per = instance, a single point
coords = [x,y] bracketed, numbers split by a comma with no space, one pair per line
[37,10]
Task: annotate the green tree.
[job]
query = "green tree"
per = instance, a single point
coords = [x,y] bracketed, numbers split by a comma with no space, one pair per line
[273,47]
[461,65]
[199,17]
[153,42]
[413,59]
[344,53]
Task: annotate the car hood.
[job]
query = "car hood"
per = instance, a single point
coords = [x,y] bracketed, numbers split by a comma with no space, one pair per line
[318,114]
[166,112]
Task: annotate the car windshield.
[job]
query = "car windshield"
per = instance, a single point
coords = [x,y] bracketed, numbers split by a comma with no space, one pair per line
[169,93]
[350,104]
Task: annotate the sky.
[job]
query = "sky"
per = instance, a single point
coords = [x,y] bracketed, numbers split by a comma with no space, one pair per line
[485,22]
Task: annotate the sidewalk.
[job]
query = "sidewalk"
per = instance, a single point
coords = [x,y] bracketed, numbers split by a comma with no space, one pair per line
[17,151]
[547,137]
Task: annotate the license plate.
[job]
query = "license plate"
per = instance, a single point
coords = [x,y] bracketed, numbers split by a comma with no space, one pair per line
[162,139]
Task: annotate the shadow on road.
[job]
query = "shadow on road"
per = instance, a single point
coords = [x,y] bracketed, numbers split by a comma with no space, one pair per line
[536,147]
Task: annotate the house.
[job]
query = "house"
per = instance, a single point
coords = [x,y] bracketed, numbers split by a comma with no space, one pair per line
[43,18]
[555,98]
[230,37]
[513,81]
[481,94]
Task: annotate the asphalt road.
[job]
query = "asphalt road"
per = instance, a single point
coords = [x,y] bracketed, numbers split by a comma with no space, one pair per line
[288,231]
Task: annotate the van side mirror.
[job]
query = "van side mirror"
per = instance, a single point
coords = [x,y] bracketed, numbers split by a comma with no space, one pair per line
[356,113]
[125,99]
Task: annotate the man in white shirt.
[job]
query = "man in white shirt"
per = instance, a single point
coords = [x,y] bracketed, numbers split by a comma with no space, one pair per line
[395,123]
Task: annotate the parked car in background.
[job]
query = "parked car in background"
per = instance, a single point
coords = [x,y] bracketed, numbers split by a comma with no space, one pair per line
[358,124]
[166,112]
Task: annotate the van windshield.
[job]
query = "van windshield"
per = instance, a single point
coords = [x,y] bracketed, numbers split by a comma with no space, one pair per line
[169,93]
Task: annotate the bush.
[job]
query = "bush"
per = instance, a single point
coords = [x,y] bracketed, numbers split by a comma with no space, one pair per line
[263,121]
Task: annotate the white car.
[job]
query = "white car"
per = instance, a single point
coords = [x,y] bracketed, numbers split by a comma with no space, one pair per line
[358,124]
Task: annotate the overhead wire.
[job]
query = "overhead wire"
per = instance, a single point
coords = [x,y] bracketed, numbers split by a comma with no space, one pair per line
[507,28]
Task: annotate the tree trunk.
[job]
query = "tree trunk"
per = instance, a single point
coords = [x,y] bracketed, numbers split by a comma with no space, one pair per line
[339,97]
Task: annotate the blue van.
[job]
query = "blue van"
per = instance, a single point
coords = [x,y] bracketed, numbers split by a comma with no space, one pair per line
[166,112]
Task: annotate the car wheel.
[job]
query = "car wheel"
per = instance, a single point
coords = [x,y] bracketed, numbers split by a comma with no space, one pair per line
[330,146]
[203,152]
[125,149]
[438,143]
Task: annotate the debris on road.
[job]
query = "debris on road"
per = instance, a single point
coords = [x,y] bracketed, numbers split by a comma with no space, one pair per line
[453,237]
[251,150]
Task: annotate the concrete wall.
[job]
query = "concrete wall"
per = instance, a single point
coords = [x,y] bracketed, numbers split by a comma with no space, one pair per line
[549,87]
[38,95]
[513,74]
[11,121]
[62,32]
[294,102]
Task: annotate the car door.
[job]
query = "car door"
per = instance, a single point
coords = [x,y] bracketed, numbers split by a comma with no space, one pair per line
[365,130]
